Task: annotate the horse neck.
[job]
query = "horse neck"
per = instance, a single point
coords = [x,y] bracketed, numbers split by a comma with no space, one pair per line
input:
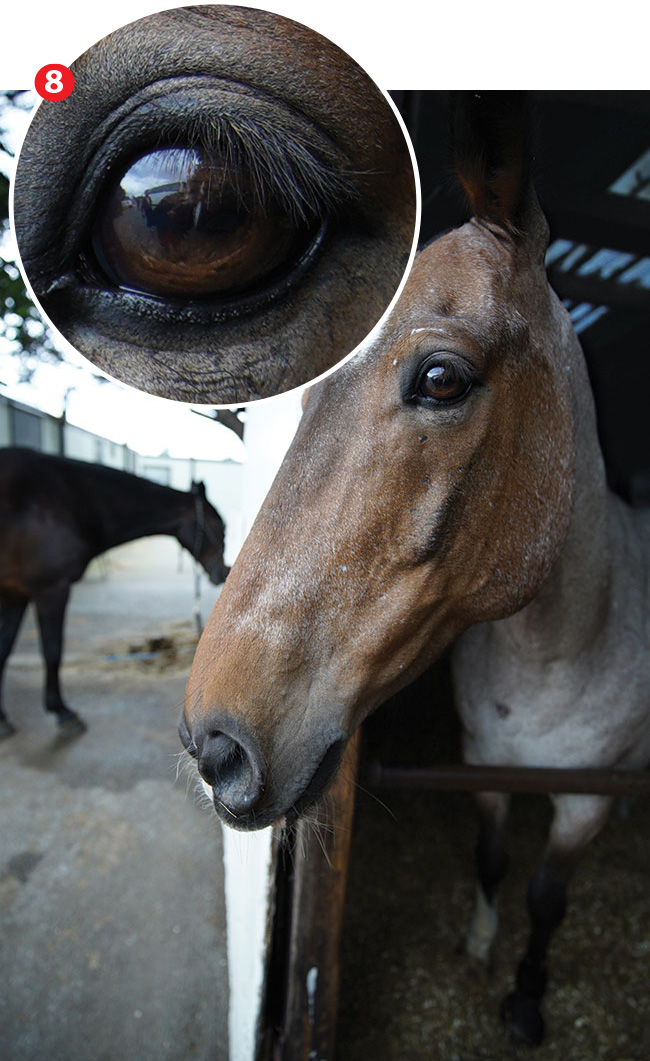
[566,616]
[129,511]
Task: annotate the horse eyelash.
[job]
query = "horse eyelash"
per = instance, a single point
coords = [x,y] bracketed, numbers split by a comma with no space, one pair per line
[305,178]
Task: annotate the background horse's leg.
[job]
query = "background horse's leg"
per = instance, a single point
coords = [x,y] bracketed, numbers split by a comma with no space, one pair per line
[577,820]
[11,613]
[491,867]
[50,608]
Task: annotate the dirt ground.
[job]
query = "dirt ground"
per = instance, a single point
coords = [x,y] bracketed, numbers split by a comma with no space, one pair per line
[408,991]
[112,932]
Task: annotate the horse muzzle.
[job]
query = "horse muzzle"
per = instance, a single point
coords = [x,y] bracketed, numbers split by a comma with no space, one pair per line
[219,574]
[233,770]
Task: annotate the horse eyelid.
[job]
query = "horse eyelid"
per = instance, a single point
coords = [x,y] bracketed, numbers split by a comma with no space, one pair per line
[305,178]
[467,374]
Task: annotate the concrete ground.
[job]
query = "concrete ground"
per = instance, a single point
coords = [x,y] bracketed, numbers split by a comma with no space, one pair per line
[112,935]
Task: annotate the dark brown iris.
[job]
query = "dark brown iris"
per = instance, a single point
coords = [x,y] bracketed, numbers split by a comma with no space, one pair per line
[444,382]
[178,225]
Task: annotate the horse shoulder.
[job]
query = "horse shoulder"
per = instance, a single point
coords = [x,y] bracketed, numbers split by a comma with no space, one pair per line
[521,698]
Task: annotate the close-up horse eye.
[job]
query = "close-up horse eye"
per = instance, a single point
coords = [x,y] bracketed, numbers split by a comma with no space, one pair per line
[181,224]
[221,210]
[444,381]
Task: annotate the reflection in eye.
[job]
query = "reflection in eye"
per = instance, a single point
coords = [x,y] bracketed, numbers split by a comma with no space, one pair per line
[445,382]
[179,223]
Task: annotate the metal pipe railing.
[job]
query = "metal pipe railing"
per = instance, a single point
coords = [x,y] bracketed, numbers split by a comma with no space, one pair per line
[461,777]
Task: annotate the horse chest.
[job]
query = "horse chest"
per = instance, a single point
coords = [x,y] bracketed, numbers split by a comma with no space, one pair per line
[588,709]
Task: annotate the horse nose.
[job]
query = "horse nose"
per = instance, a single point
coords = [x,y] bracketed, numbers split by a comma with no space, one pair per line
[219,574]
[234,770]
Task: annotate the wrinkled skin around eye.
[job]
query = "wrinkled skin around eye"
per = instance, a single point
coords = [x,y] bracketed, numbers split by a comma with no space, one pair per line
[179,224]
[275,283]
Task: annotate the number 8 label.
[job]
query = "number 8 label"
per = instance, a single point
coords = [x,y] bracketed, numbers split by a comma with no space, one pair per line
[54,81]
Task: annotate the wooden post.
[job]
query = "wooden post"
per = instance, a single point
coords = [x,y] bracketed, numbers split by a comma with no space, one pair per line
[315,904]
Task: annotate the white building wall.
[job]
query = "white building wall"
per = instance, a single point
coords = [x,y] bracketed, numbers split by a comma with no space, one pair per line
[50,435]
[83,446]
[249,858]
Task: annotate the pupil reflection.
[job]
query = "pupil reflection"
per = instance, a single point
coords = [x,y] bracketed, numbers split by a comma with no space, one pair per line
[179,223]
[444,383]
[182,201]
[440,381]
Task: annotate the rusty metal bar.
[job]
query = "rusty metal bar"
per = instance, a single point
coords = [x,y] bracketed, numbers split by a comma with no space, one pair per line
[461,777]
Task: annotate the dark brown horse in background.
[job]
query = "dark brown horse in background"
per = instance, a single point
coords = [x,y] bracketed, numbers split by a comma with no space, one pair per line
[448,477]
[57,514]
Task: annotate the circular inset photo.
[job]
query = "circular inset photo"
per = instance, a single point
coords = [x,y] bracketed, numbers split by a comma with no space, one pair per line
[220,210]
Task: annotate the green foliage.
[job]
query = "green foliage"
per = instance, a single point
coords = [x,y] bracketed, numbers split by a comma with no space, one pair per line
[21,325]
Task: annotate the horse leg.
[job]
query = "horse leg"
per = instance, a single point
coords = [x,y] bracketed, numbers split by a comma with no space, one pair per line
[50,609]
[491,867]
[11,614]
[577,820]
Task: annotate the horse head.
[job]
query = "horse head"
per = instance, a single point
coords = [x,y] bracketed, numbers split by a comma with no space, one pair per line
[429,487]
[202,531]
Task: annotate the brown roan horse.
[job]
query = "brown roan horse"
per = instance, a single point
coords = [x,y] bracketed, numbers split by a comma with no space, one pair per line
[447,481]
[57,514]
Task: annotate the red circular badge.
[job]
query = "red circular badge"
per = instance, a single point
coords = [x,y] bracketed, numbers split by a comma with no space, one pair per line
[54,81]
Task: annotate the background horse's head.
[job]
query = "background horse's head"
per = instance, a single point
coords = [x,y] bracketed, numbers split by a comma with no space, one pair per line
[202,532]
[429,487]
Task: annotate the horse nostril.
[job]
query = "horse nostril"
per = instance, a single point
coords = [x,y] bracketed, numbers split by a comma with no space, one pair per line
[233,772]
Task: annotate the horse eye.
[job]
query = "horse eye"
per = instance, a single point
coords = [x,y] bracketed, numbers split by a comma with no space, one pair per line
[181,224]
[445,382]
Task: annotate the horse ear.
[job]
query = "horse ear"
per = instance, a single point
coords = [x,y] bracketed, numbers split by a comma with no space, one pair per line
[490,133]
[198,489]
